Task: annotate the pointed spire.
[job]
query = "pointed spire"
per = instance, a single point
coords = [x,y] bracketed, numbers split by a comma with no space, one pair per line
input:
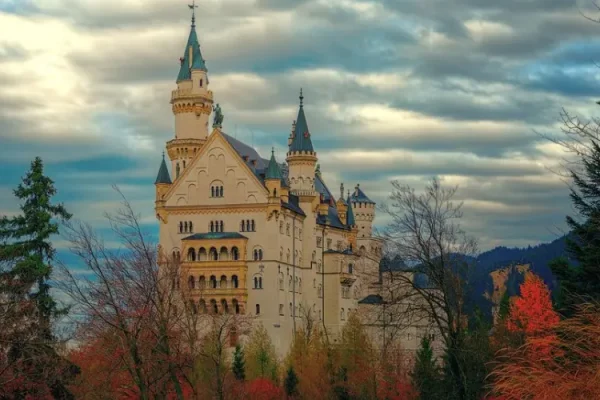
[163,173]
[273,170]
[301,138]
[349,213]
[192,56]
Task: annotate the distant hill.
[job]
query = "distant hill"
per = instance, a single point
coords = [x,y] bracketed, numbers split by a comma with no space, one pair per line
[502,269]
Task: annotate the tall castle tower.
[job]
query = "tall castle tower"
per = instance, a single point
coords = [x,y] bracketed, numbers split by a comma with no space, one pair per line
[191,103]
[364,212]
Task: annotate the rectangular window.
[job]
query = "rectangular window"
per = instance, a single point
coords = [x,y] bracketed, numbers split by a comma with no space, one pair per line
[319,242]
[281,309]
[329,244]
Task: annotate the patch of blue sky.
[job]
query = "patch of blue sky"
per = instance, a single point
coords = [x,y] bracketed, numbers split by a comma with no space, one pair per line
[18,6]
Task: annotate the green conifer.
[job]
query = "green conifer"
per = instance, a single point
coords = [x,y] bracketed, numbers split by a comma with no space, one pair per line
[238,366]
[291,383]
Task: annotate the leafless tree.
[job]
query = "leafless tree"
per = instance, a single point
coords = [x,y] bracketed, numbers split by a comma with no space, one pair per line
[425,232]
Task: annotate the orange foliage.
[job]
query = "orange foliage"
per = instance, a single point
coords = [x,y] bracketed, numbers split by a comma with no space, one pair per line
[568,370]
[532,311]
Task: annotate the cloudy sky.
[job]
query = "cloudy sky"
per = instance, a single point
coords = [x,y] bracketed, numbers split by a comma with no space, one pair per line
[394,89]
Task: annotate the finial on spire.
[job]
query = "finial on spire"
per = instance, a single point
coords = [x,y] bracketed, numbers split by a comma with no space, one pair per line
[193,7]
[163,154]
[342,190]
[273,150]
[301,98]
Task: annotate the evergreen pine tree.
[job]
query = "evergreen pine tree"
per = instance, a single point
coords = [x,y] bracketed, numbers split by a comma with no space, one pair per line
[291,383]
[425,375]
[238,366]
[583,282]
[504,306]
[26,255]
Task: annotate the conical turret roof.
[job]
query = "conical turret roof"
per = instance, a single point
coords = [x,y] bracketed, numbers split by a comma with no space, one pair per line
[163,173]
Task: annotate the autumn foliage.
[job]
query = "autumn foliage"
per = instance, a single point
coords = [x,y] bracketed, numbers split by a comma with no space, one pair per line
[532,312]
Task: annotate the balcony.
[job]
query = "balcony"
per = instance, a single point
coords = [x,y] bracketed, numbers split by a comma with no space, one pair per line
[180,94]
[347,279]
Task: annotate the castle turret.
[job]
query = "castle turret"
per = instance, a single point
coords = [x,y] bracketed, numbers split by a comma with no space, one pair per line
[302,159]
[162,184]
[363,210]
[342,206]
[273,180]
[191,103]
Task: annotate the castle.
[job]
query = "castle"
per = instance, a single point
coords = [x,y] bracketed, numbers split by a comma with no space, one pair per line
[260,236]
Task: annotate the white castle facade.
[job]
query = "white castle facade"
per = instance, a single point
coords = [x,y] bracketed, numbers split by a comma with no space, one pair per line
[257,235]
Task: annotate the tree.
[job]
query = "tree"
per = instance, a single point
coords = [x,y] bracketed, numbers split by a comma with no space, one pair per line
[425,232]
[581,142]
[426,374]
[357,360]
[504,307]
[260,355]
[569,372]
[239,364]
[127,300]
[27,341]
[291,383]
[532,311]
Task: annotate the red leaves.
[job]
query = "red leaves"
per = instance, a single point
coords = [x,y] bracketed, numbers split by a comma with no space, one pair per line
[532,312]
[263,389]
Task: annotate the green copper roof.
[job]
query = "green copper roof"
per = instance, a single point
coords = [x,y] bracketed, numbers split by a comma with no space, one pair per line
[301,140]
[197,62]
[163,173]
[215,236]
[273,170]
[350,214]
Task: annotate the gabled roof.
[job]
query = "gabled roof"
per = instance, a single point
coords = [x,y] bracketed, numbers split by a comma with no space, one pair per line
[163,173]
[301,136]
[273,170]
[215,235]
[358,196]
[197,61]
[293,205]
[247,152]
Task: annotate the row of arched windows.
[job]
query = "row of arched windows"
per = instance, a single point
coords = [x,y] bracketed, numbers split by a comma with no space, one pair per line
[213,255]
[247,226]
[215,308]
[216,191]
[186,227]
[223,283]
[216,226]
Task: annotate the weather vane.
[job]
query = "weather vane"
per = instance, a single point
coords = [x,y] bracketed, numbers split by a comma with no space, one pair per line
[193,7]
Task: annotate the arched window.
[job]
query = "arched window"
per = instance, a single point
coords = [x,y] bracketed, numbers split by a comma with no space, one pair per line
[314,256]
[281,227]
[213,255]
[177,170]
[255,255]
[214,307]
[290,283]
[235,254]
[213,282]
[200,86]
[288,256]
[274,192]
[191,255]
[193,307]
[223,282]
[224,306]
[280,281]
[320,291]
[221,191]
[260,282]
[287,229]
[180,227]
[281,254]
[319,266]
[212,226]
[247,225]
[212,191]
[342,315]
[291,309]
[236,306]
[300,285]
[242,227]
[260,254]
[202,282]
[202,304]
[185,227]
[252,227]
[190,225]
[350,268]
[191,282]
[255,282]
[257,309]
[234,281]
[221,226]
[184,163]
